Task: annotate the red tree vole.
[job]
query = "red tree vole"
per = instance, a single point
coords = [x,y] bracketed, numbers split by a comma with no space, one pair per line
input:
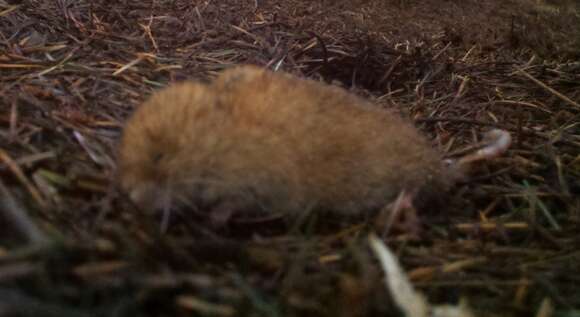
[256,140]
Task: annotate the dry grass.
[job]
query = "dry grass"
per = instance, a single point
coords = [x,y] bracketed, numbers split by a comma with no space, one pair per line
[71,72]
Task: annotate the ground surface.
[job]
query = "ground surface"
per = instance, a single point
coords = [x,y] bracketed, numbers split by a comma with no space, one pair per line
[72,71]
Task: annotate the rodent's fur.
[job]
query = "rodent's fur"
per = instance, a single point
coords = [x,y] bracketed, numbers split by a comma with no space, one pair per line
[272,142]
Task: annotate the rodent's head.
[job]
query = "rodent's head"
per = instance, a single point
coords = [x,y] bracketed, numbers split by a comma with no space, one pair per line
[156,154]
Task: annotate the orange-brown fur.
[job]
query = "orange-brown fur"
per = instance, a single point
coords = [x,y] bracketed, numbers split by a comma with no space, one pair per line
[270,141]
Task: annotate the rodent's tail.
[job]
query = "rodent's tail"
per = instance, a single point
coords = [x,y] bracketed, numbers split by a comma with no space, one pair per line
[496,142]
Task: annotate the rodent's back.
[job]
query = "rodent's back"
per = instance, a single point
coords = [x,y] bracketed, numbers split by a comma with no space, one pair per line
[273,141]
[349,155]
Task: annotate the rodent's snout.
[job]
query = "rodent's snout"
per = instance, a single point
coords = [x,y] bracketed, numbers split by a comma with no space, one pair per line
[147,197]
[138,195]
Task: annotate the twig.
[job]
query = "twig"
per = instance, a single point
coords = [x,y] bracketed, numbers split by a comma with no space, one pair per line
[22,178]
[522,103]
[441,52]
[129,65]
[147,29]
[462,120]
[409,301]
[18,217]
[550,89]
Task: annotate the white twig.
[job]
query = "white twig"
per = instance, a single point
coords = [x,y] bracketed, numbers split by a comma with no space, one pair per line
[410,302]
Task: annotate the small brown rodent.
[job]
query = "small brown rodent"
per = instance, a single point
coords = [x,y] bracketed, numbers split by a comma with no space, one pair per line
[257,140]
